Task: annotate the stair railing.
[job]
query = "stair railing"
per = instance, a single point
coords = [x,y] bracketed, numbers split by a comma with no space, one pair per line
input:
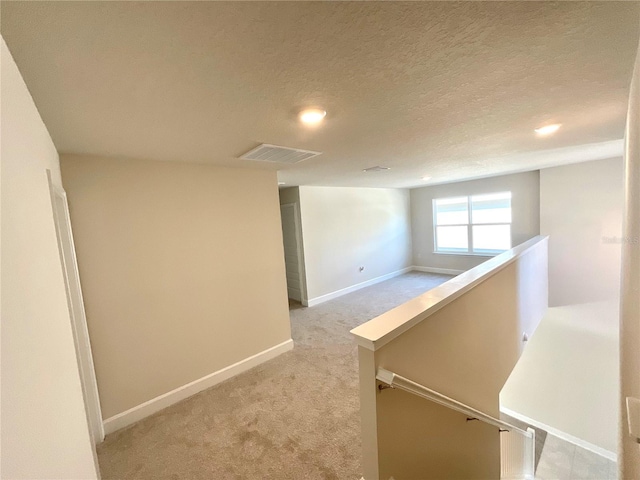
[521,456]
[401,383]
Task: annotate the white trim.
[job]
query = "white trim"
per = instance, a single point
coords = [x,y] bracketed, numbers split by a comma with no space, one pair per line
[470,251]
[338,293]
[564,436]
[343,291]
[77,317]
[446,271]
[467,254]
[165,400]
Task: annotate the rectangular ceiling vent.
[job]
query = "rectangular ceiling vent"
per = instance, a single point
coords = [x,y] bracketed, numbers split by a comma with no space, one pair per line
[274,153]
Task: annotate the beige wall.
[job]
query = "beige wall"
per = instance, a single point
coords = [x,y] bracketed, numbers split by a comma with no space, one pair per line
[182,270]
[629,453]
[44,427]
[525,207]
[581,211]
[419,439]
[464,348]
[346,228]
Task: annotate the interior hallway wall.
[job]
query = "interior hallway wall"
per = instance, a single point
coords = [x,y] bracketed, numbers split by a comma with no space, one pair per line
[581,211]
[629,450]
[44,430]
[347,228]
[182,269]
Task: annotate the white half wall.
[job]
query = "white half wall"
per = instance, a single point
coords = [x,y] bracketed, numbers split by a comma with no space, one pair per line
[524,188]
[461,339]
[345,229]
[44,429]
[581,210]
[567,381]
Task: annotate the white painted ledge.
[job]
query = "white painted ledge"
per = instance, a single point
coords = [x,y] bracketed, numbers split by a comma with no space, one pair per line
[381,330]
[154,405]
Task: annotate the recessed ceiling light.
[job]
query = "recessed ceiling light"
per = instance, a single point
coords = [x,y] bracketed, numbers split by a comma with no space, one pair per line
[312,116]
[548,129]
[426,178]
[281,183]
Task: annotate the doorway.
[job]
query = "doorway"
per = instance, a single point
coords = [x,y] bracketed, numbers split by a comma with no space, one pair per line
[293,257]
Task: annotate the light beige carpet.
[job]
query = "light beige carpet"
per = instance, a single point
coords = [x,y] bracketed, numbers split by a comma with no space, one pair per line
[295,417]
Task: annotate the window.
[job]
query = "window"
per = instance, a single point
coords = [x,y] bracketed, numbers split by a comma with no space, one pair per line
[478,224]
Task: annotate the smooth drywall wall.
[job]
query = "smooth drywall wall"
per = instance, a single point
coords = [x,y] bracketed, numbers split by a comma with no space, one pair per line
[182,270]
[44,425]
[525,190]
[347,228]
[628,451]
[569,373]
[581,211]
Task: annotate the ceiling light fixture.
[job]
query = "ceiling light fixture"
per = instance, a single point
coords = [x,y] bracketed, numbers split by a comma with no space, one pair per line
[548,129]
[312,116]
[376,169]
[426,178]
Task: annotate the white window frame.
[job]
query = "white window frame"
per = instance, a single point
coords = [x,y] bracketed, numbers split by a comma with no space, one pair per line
[469,226]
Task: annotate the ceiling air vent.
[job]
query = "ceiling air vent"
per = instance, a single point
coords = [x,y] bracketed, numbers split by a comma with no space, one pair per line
[274,153]
[376,169]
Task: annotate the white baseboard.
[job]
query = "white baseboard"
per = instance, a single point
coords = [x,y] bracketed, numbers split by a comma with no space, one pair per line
[564,436]
[338,293]
[446,271]
[154,405]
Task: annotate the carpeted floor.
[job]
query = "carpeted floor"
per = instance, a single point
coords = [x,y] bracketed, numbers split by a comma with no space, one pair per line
[295,417]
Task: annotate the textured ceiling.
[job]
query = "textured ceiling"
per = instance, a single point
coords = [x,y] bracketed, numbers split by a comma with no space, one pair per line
[449,90]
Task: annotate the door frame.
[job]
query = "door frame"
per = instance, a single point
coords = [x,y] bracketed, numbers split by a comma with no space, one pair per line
[75,302]
[299,250]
